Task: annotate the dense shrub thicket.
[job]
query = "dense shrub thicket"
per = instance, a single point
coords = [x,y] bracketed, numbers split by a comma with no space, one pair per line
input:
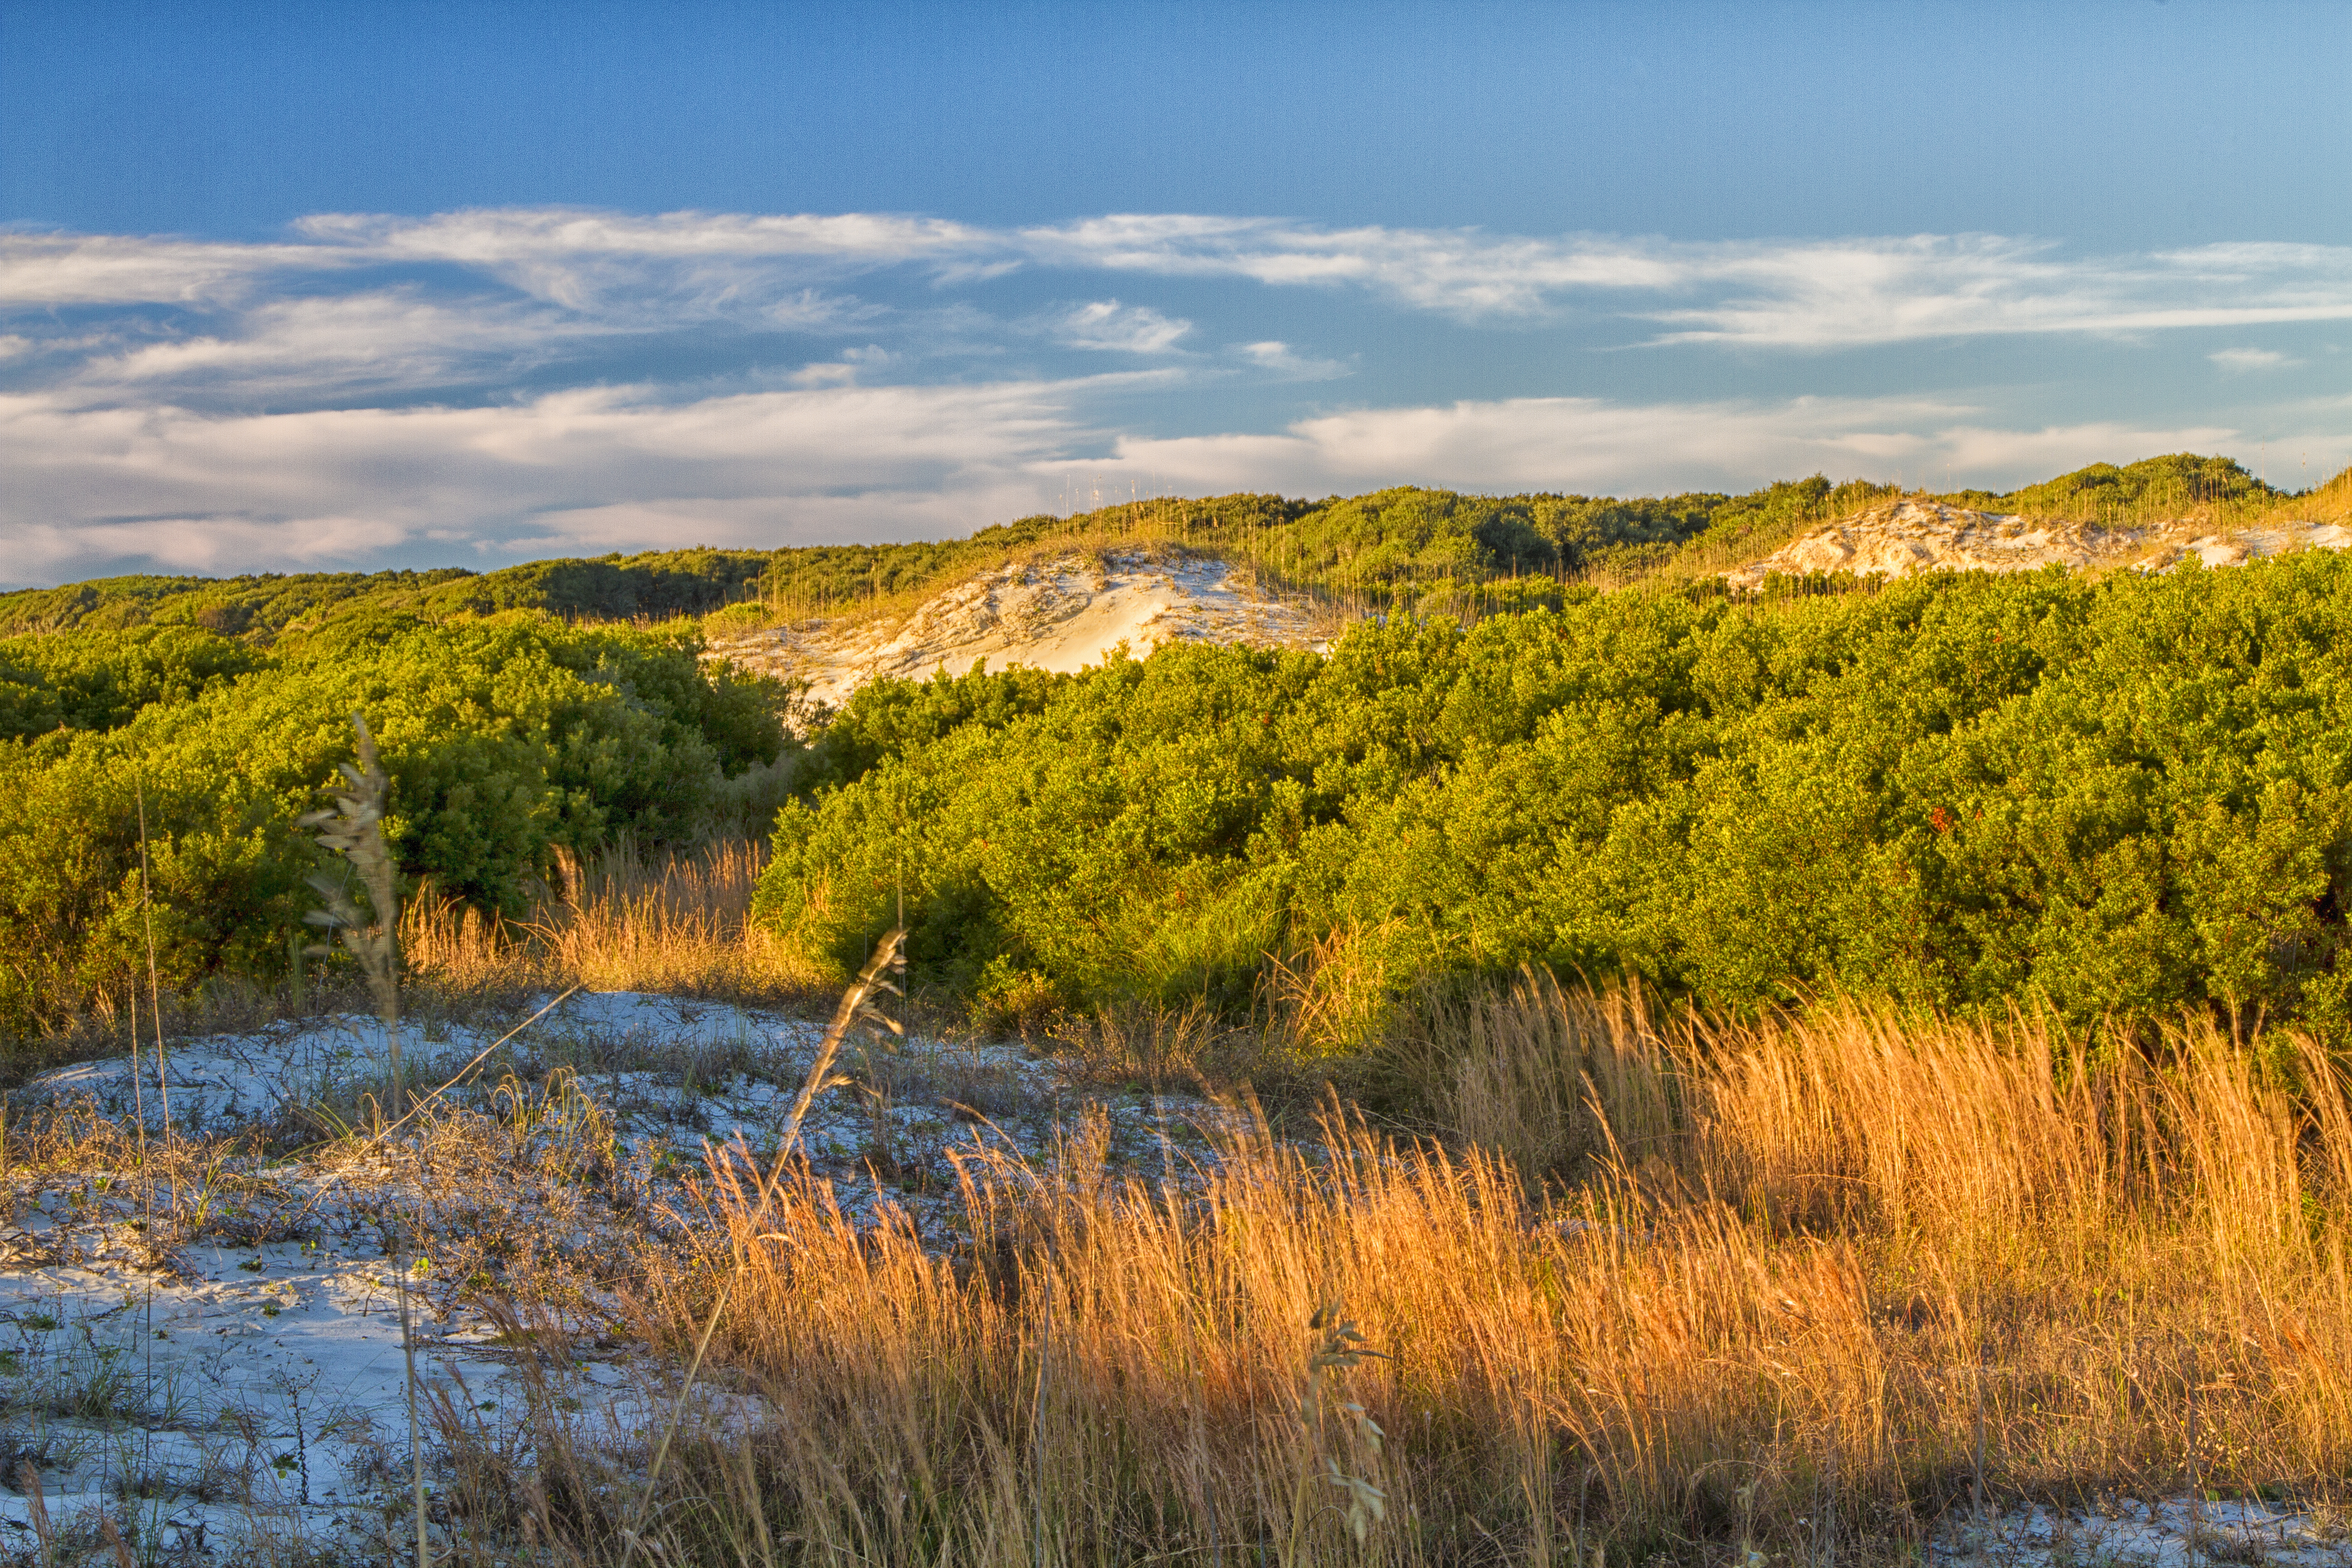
[2118,799]
[259,608]
[504,737]
[2122,798]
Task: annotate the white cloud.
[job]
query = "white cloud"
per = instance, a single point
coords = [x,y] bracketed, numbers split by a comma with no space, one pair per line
[618,468]
[517,236]
[158,395]
[369,342]
[1859,292]
[1460,272]
[845,371]
[1800,294]
[1594,446]
[1790,294]
[565,472]
[105,269]
[2250,359]
[1126,328]
[1278,359]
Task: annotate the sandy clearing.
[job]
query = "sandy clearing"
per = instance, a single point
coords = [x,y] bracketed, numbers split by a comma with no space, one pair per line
[249,1388]
[2131,1531]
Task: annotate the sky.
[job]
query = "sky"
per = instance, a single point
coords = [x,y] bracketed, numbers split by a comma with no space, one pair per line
[303,288]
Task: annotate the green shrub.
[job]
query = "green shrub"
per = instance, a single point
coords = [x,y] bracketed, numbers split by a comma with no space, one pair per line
[505,739]
[2118,799]
[98,679]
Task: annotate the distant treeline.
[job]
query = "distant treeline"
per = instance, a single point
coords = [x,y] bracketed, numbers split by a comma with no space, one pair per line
[1405,547]
[2118,800]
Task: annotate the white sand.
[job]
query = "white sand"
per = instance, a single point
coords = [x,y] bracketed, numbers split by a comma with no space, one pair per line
[1060,615]
[1929,536]
[260,1390]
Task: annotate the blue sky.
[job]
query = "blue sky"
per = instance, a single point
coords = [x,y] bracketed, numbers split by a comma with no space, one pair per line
[304,287]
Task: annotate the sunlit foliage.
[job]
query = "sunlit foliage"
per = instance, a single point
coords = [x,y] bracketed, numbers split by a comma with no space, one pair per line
[504,737]
[2119,799]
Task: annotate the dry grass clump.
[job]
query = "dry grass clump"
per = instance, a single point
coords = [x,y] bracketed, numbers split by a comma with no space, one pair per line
[680,925]
[1549,1079]
[1821,1278]
[2328,503]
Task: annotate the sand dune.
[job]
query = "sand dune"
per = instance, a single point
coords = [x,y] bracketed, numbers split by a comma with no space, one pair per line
[1059,615]
[1929,536]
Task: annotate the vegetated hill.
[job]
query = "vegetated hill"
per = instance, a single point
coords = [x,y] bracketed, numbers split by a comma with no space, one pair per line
[263,608]
[511,735]
[1915,536]
[1402,549]
[2122,798]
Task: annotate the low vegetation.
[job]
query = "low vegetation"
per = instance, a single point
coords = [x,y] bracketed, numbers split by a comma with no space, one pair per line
[1688,1078]
[155,779]
[1818,1287]
[1430,551]
[2117,801]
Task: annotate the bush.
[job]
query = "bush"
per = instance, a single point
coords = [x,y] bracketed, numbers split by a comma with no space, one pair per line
[506,739]
[2117,799]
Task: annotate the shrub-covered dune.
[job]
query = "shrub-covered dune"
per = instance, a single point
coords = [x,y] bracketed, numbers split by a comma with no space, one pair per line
[2118,799]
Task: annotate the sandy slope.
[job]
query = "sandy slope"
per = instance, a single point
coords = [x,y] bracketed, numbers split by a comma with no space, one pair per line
[1059,616]
[1929,536]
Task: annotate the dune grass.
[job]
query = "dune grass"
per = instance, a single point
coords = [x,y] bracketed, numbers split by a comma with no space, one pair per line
[679,924]
[1810,1286]
[1598,1283]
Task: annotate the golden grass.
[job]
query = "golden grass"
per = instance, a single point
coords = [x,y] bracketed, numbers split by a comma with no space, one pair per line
[1813,1268]
[680,925]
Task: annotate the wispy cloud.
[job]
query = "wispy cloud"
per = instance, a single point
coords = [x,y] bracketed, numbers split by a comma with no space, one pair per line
[350,344]
[592,468]
[1126,328]
[1280,359]
[2251,359]
[1460,272]
[1597,447]
[1862,292]
[622,468]
[1796,294]
[103,268]
[495,382]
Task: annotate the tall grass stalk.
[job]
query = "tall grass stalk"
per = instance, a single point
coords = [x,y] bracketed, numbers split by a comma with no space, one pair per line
[856,1010]
[353,827]
[154,980]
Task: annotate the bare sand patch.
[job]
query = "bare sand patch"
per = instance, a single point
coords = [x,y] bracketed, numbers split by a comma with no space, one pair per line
[1913,536]
[1061,616]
